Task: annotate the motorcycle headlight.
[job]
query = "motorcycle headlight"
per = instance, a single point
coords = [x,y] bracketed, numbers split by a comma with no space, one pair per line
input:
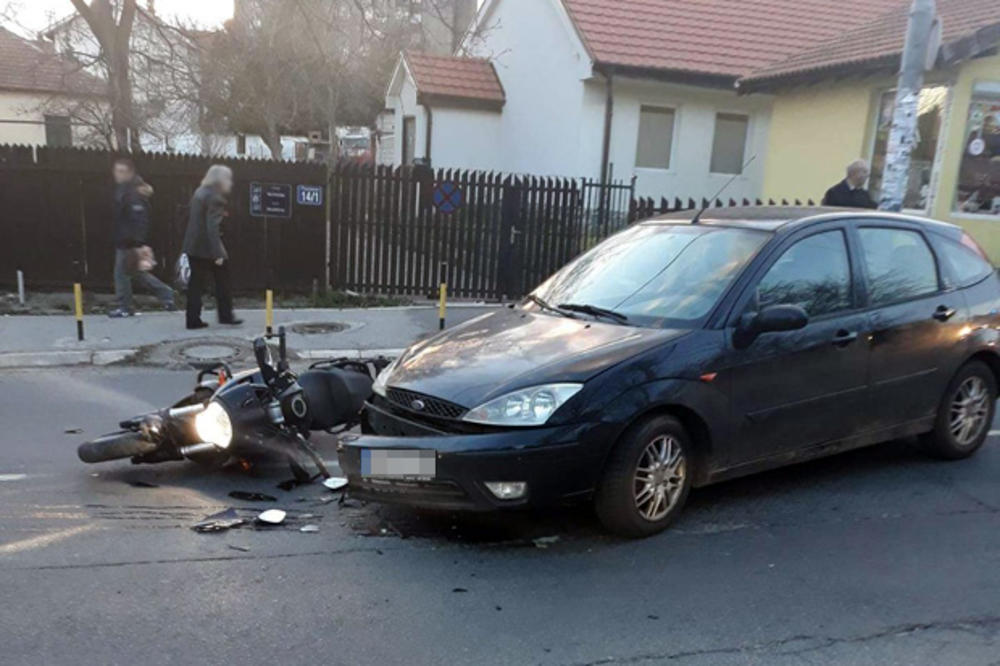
[527,407]
[382,381]
[214,426]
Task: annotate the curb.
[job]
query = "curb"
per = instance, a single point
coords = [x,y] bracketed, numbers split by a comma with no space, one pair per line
[103,357]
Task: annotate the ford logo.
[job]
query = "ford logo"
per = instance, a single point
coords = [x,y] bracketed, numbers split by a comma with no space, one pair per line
[418,405]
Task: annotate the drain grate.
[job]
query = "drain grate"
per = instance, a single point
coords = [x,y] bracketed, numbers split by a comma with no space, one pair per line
[319,328]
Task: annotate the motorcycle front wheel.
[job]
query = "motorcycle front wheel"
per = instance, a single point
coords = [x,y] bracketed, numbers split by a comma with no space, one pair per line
[115,446]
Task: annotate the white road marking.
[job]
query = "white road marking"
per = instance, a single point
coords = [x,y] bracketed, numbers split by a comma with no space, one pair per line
[12,477]
[42,540]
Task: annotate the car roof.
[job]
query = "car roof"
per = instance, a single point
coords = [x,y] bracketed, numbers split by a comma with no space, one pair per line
[787,218]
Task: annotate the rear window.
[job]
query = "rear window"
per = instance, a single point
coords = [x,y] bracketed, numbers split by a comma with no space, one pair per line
[968,265]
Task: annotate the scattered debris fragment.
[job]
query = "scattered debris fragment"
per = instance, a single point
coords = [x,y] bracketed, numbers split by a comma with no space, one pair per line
[13,477]
[289,484]
[73,431]
[308,529]
[653,617]
[272,517]
[218,522]
[545,542]
[138,483]
[335,483]
[459,589]
[252,497]
[499,608]
[242,549]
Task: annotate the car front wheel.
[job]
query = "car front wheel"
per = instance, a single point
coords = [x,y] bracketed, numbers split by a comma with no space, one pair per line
[966,414]
[647,478]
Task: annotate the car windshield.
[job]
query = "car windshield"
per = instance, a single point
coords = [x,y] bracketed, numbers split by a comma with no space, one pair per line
[654,274]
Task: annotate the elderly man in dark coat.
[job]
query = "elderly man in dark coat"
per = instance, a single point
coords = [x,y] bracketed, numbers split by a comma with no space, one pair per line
[203,246]
[851,192]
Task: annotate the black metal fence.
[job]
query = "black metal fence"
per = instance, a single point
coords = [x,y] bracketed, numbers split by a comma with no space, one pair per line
[383,230]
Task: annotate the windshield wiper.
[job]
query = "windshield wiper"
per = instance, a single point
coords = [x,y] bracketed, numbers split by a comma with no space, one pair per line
[545,305]
[594,311]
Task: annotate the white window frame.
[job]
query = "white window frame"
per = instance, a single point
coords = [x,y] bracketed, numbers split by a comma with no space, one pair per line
[749,115]
[953,198]
[676,108]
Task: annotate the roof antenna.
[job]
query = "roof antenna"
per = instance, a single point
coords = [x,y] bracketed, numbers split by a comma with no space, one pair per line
[708,202]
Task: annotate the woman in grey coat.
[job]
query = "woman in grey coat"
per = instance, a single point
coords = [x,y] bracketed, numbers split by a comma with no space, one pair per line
[203,246]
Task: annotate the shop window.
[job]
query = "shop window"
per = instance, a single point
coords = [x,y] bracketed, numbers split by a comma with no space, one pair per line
[931,110]
[979,171]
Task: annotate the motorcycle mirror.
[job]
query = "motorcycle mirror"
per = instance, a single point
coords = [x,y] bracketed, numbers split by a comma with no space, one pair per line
[265,361]
[282,350]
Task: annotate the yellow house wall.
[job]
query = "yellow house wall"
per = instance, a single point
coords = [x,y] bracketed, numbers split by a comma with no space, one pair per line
[817,130]
[986,230]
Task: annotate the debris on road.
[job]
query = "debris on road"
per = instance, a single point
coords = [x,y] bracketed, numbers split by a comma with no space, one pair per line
[308,529]
[459,589]
[545,542]
[335,483]
[73,431]
[218,522]
[272,517]
[289,484]
[252,497]
[138,483]
[242,549]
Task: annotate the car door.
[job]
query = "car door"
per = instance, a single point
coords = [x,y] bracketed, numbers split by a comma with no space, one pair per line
[796,389]
[916,322]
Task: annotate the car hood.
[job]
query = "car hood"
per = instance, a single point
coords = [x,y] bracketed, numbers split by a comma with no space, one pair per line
[512,348]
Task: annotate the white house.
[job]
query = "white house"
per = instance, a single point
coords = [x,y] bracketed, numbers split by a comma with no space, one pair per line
[41,95]
[623,87]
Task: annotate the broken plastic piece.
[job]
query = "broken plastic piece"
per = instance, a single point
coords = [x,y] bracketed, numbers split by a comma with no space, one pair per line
[217,522]
[309,528]
[73,431]
[545,542]
[142,484]
[252,497]
[272,517]
[335,483]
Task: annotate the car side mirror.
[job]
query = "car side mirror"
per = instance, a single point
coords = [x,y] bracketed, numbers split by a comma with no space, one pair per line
[772,319]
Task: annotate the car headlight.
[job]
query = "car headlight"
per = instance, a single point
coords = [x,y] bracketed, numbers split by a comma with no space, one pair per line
[214,426]
[382,381]
[527,407]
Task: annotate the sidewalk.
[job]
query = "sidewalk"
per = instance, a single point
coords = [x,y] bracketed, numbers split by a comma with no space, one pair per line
[35,341]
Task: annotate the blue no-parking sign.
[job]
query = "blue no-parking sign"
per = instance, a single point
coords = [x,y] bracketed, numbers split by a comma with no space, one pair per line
[448,197]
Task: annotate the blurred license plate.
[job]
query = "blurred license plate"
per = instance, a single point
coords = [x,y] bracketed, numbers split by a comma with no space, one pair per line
[395,463]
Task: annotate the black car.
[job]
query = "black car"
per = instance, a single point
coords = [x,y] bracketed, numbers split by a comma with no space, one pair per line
[678,354]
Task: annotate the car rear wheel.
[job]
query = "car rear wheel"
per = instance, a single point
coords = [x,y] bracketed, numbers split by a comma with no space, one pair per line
[966,413]
[647,478]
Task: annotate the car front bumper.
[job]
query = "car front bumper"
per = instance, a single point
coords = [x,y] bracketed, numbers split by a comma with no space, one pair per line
[559,464]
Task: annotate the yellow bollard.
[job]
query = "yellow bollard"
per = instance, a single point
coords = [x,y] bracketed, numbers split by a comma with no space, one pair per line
[78,301]
[443,296]
[269,310]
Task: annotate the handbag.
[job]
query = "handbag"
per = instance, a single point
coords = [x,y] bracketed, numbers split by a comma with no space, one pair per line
[141,259]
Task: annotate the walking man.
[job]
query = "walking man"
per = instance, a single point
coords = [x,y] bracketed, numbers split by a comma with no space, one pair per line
[851,192]
[131,232]
[203,246]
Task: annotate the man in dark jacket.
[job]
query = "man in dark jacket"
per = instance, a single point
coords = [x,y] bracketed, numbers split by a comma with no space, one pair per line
[851,192]
[131,231]
[203,246]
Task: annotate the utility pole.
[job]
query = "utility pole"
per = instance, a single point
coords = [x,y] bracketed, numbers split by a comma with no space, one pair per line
[923,39]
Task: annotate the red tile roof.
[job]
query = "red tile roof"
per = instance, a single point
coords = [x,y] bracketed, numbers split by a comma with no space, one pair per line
[30,66]
[968,26]
[451,78]
[726,38]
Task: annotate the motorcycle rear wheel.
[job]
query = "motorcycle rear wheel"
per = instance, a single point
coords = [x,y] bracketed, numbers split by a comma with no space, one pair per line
[115,446]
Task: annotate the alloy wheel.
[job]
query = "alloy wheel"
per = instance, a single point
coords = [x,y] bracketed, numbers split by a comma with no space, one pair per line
[659,477]
[970,409]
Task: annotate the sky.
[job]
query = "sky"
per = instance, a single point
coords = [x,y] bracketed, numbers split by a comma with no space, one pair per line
[33,15]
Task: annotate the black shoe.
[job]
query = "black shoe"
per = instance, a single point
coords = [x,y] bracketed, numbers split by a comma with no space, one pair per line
[232,322]
[195,327]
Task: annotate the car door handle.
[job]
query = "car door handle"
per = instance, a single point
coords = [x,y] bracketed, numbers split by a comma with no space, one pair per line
[944,313]
[844,338]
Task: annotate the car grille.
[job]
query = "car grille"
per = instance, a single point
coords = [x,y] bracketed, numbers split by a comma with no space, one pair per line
[431,406]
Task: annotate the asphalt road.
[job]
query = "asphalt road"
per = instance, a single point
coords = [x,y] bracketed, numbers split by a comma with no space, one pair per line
[879,557]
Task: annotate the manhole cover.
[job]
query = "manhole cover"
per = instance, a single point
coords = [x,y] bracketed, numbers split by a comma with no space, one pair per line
[180,354]
[319,328]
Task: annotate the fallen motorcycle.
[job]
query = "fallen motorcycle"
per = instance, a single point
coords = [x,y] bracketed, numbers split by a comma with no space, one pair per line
[247,418]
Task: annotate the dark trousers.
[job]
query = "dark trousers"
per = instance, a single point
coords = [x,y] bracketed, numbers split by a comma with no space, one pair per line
[201,270]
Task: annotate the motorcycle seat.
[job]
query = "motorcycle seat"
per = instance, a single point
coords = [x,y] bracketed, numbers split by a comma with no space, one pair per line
[335,396]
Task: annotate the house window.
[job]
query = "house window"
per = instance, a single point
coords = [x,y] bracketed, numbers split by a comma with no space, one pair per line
[656,137]
[730,143]
[931,111]
[409,139]
[979,172]
[58,132]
